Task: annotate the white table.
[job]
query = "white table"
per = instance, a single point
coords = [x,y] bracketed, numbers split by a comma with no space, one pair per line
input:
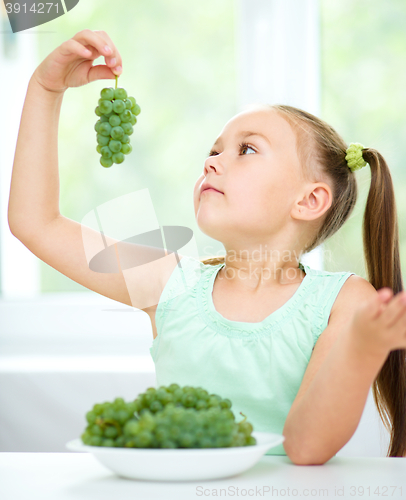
[78,476]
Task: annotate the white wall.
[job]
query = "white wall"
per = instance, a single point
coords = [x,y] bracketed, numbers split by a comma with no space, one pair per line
[18,60]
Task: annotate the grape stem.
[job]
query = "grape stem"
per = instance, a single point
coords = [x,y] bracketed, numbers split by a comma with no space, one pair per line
[245,418]
[116,80]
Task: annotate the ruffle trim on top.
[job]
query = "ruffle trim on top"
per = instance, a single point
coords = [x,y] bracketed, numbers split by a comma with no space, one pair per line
[246,330]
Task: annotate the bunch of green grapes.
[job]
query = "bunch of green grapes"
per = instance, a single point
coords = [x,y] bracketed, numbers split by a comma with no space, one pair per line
[118,114]
[167,417]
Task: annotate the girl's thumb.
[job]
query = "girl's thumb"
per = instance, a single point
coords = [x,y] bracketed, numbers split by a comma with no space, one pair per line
[384,294]
[101,72]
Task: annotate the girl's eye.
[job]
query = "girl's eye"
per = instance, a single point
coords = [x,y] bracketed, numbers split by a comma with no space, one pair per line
[242,146]
[246,146]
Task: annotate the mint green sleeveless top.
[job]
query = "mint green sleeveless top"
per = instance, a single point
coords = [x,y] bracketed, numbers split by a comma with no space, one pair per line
[258,366]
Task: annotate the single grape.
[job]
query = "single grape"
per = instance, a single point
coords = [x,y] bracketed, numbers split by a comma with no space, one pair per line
[114,120]
[188,400]
[107,94]
[115,146]
[126,149]
[106,107]
[125,116]
[86,437]
[117,133]
[136,110]
[104,118]
[213,402]
[186,440]
[111,432]
[127,128]
[128,103]
[155,405]
[99,148]
[133,120]
[246,428]
[91,417]
[125,139]
[97,408]
[97,125]
[225,402]
[106,162]
[120,442]
[250,441]
[96,430]
[103,140]
[133,102]
[118,106]
[105,129]
[143,439]
[118,157]
[97,111]
[108,442]
[200,404]
[95,441]
[120,93]
[106,152]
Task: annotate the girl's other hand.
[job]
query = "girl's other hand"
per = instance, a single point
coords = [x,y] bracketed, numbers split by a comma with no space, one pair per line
[379,325]
[71,64]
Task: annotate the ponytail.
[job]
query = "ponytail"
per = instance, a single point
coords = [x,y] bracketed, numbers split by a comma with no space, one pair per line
[381,250]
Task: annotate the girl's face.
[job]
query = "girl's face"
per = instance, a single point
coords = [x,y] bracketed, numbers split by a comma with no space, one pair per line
[255,164]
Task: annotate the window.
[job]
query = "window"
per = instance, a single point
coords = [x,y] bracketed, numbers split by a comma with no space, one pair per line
[190,70]
[363,47]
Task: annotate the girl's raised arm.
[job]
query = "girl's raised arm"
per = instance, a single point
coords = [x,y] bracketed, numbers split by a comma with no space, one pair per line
[34,193]
[33,212]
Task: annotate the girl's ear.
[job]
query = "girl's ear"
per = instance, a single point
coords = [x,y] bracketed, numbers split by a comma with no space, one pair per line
[314,204]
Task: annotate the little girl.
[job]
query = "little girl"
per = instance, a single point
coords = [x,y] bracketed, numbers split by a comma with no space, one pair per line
[295,349]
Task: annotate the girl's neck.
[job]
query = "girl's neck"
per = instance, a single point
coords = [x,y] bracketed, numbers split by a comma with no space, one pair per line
[258,276]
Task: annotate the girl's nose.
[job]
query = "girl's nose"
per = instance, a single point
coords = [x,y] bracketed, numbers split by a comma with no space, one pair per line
[211,164]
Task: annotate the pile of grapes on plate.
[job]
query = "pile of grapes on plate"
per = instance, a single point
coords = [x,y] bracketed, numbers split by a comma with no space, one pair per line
[167,417]
[118,114]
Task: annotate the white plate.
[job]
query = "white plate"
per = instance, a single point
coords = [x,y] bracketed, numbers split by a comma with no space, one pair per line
[183,464]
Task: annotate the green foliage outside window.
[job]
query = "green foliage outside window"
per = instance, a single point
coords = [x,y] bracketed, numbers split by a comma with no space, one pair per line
[179,64]
[363,47]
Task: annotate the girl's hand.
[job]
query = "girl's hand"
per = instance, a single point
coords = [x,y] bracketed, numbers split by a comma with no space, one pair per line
[380,324]
[71,64]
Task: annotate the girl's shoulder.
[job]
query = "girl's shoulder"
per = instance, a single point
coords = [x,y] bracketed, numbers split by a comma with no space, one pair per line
[354,291]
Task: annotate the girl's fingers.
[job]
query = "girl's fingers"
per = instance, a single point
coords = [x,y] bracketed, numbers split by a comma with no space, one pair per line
[73,47]
[102,43]
[378,304]
[395,310]
[89,37]
[100,72]
[115,53]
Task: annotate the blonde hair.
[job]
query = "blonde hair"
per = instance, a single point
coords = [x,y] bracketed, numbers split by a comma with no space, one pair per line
[321,151]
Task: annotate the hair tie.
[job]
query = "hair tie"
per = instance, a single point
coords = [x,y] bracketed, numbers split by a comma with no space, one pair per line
[354,157]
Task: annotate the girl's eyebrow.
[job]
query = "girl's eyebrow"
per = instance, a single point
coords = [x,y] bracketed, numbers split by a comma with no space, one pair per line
[244,135]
